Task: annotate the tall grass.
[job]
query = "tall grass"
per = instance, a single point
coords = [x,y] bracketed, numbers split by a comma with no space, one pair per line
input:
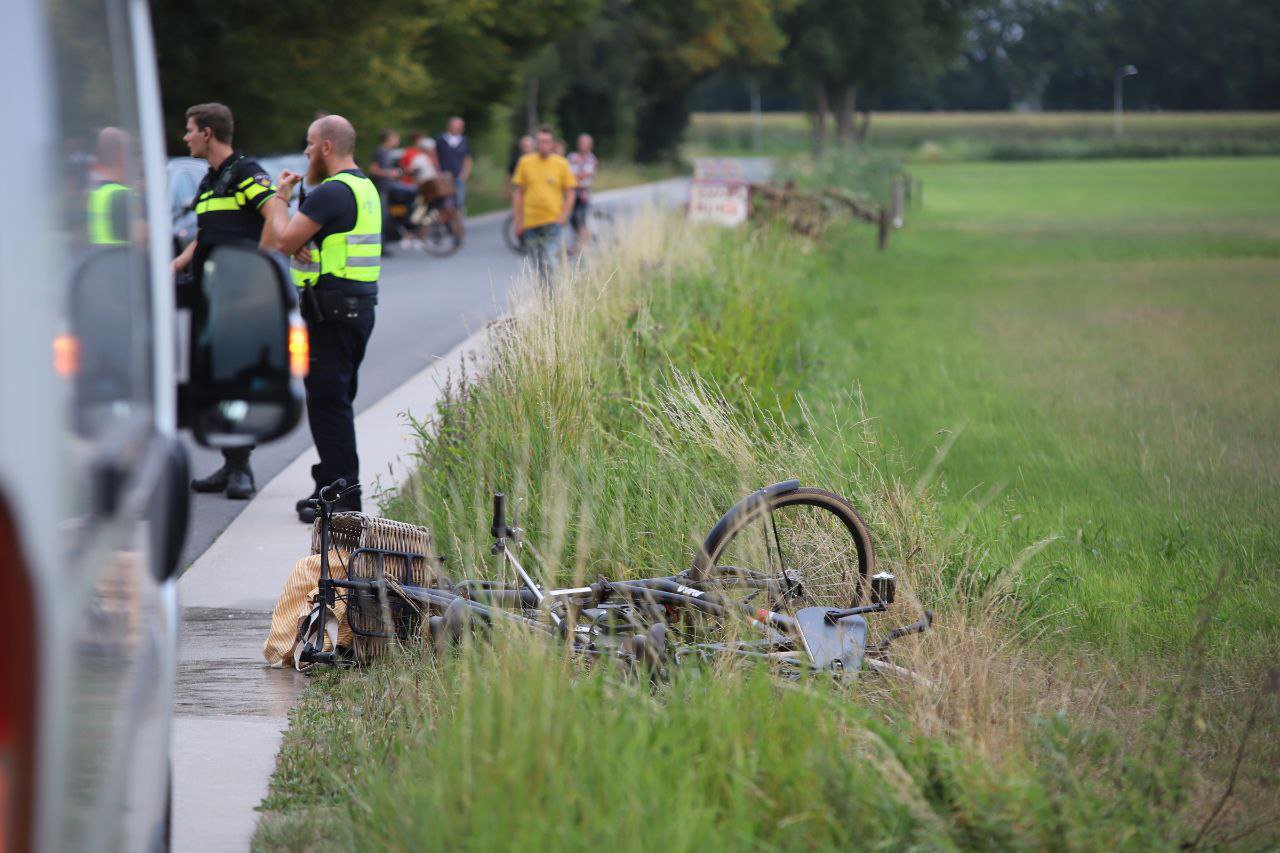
[631,408]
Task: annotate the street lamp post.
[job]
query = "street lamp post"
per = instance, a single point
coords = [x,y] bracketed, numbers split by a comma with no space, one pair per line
[1118,95]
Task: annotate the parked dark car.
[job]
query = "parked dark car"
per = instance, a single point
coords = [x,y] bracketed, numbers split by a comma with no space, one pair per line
[184,178]
[185,174]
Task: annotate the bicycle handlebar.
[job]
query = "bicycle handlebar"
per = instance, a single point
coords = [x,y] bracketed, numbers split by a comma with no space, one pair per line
[499,529]
[834,616]
[333,491]
[914,628]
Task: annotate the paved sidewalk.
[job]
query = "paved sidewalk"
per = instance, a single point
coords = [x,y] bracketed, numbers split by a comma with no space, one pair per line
[231,709]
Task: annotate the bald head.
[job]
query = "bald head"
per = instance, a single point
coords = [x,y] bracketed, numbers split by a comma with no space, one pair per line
[337,131]
[112,147]
[331,146]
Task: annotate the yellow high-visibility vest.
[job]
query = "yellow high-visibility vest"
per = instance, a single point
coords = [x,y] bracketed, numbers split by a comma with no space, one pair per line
[101,232]
[354,255]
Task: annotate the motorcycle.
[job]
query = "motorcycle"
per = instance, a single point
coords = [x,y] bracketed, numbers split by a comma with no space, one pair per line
[429,219]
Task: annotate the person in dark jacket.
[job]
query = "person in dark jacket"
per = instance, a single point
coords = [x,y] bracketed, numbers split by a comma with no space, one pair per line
[454,153]
[236,201]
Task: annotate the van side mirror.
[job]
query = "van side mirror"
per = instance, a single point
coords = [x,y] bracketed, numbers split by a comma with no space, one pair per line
[248,350]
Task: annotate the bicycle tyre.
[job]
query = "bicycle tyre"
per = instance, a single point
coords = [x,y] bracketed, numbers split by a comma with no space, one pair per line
[509,237]
[759,508]
[439,240]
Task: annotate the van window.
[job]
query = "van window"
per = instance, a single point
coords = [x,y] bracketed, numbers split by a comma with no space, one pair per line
[104,353]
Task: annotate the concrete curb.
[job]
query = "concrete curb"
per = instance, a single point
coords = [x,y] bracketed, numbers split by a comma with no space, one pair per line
[265,540]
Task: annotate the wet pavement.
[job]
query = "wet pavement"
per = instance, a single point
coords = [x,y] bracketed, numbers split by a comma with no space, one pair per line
[221,671]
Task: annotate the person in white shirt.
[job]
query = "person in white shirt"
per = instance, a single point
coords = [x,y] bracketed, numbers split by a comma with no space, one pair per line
[583,162]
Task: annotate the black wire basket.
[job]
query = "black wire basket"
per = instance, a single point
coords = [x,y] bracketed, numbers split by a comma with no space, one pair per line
[390,551]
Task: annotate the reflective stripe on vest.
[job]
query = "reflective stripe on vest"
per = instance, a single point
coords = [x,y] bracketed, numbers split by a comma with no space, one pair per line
[209,205]
[356,255]
[99,209]
[305,275]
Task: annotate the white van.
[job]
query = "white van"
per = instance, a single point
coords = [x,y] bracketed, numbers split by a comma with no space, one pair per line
[93,479]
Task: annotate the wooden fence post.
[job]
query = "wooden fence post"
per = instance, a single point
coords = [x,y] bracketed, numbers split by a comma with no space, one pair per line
[898,191]
[886,222]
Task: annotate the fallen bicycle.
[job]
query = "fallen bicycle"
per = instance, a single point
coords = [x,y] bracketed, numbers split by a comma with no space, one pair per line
[392,592]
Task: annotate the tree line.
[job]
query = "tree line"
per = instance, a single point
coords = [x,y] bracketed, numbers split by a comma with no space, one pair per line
[630,71]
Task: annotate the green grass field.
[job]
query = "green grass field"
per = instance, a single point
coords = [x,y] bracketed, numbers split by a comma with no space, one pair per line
[1095,343]
[1006,135]
[1053,399]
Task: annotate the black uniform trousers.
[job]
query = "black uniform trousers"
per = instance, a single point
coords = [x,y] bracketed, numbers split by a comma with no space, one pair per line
[337,348]
[237,457]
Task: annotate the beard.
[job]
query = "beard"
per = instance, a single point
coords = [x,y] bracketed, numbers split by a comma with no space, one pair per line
[316,172]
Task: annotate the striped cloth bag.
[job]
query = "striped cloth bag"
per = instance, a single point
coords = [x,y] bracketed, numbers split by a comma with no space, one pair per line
[291,620]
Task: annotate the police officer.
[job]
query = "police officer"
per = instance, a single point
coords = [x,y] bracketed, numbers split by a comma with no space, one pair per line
[335,241]
[107,204]
[234,202]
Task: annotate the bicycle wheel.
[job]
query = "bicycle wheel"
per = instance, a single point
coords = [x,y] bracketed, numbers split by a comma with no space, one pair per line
[813,534]
[509,236]
[440,240]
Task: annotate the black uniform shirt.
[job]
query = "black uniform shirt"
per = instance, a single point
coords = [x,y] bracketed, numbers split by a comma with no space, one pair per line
[228,202]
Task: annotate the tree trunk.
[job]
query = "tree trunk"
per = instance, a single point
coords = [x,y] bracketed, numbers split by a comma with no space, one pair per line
[531,106]
[845,128]
[818,117]
[863,127]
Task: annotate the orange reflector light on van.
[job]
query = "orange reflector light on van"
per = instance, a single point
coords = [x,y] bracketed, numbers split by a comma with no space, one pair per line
[66,355]
[299,350]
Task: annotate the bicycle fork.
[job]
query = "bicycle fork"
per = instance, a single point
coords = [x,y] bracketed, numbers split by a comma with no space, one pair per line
[501,533]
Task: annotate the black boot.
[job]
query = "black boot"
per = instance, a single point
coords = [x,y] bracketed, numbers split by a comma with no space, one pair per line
[215,482]
[240,486]
[307,512]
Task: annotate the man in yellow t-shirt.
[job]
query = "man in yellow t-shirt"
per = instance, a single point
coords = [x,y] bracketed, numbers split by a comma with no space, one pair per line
[543,201]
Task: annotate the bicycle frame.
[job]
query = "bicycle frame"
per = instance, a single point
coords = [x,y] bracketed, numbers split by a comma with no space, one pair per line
[814,639]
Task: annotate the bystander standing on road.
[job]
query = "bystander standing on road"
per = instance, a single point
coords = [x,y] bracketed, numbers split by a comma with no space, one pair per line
[453,152]
[523,146]
[107,220]
[583,162]
[335,238]
[542,203]
[233,203]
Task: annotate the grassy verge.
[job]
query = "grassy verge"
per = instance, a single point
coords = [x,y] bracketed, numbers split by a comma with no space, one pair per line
[691,366]
[926,137]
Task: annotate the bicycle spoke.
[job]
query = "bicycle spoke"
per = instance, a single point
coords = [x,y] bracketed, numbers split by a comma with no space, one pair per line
[807,540]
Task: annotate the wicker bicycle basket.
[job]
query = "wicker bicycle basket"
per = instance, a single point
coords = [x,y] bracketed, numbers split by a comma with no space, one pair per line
[380,549]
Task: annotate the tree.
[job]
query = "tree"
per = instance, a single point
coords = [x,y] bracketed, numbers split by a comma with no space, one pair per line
[843,54]
[681,41]
[626,75]
[378,62]
[1062,54]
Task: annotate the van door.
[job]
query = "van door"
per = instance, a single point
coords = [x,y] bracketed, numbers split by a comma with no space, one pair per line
[117,464]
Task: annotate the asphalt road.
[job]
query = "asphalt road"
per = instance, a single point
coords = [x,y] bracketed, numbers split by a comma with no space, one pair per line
[426,306]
